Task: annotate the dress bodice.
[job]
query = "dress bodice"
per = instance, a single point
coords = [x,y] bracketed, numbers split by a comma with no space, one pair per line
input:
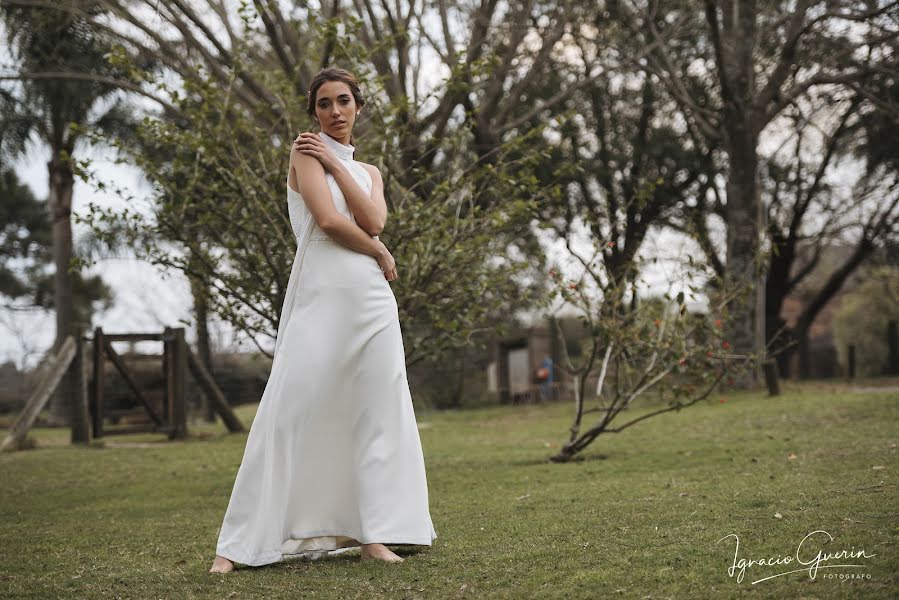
[297,208]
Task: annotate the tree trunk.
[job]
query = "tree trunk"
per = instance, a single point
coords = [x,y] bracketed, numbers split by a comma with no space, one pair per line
[203,348]
[459,393]
[60,203]
[743,247]
[803,351]
[201,315]
[745,328]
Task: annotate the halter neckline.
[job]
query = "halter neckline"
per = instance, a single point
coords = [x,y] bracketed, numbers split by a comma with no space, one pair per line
[343,151]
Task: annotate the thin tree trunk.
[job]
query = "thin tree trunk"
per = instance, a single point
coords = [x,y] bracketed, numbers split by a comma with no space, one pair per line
[803,351]
[460,385]
[201,314]
[60,203]
[203,347]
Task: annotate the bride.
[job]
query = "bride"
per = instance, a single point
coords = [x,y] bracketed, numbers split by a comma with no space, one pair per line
[333,459]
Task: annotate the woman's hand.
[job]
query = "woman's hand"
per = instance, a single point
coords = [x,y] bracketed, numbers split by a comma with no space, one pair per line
[386,262]
[309,143]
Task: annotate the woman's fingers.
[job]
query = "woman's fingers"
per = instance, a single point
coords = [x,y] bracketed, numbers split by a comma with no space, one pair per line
[307,137]
[308,149]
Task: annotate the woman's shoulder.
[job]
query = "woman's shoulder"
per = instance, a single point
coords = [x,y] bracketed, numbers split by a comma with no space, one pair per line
[373,171]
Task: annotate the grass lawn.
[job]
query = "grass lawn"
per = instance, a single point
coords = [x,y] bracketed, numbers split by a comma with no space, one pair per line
[640,517]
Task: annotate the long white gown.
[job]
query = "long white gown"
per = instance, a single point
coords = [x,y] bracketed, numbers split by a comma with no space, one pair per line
[333,458]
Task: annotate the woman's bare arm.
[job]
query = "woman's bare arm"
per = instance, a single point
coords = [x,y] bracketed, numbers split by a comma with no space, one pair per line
[313,186]
[370,211]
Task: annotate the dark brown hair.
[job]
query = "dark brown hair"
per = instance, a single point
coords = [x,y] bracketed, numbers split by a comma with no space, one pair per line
[334,74]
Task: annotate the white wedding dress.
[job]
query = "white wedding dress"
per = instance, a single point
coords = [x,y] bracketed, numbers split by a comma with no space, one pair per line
[333,458]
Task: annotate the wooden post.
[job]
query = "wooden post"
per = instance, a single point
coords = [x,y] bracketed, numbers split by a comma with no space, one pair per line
[168,392]
[214,395]
[96,402]
[851,359]
[59,363]
[81,433]
[893,348]
[179,386]
[770,368]
[119,364]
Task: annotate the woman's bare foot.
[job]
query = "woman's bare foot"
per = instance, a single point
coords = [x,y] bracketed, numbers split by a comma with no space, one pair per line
[379,552]
[221,565]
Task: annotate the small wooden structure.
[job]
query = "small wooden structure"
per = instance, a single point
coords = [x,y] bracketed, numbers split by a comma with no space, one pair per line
[177,360]
[68,365]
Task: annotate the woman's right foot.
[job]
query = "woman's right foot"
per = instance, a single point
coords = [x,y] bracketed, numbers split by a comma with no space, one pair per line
[221,565]
[379,552]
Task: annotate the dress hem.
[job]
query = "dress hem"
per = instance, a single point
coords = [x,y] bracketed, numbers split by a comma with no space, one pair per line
[265,558]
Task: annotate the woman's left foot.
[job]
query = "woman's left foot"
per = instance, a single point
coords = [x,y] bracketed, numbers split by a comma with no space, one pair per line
[221,565]
[379,552]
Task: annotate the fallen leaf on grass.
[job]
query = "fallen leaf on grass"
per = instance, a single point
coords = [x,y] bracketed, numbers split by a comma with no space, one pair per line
[878,467]
[778,516]
[522,497]
[791,456]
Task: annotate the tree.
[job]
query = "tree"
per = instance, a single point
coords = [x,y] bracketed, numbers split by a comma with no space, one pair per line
[26,249]
[733,70]
[45,41]
[623,165]
[654,349]
[25,238]
[454,153]
[221,219]
[863,318]
[810,212]
[436,74]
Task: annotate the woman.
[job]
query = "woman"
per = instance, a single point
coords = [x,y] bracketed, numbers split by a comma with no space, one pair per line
[333,458]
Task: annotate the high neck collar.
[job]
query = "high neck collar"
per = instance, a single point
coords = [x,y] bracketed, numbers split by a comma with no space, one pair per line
[344,151]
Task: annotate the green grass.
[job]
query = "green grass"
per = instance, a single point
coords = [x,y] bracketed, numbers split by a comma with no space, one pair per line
[639,517]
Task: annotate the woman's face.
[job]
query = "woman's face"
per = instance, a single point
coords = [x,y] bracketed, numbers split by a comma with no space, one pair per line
[335,109]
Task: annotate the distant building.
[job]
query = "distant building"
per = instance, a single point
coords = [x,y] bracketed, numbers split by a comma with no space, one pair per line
[525,367]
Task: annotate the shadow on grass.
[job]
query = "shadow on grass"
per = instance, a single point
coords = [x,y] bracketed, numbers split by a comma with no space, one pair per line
[547,460]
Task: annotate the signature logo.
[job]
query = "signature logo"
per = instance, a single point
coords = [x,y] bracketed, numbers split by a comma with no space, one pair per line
[809,553]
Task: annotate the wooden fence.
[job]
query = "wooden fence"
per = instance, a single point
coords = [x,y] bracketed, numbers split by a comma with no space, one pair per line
[66,367]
